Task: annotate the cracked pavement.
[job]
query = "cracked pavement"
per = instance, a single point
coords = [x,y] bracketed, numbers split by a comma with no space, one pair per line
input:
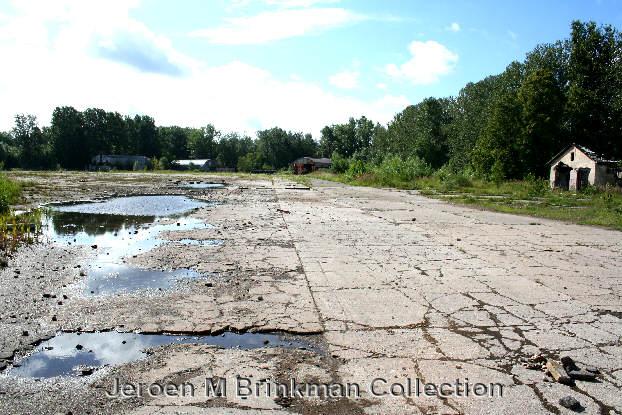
[392,285]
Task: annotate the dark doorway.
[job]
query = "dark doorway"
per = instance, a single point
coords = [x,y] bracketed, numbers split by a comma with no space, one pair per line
[583,175]
[562,176]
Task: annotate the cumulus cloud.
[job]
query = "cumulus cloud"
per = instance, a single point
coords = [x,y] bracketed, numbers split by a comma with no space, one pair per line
[428,62]
[345,79]
[276,25]
[87,59]
[454,27]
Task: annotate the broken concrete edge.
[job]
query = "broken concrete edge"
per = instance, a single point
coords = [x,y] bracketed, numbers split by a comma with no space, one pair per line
[30,347]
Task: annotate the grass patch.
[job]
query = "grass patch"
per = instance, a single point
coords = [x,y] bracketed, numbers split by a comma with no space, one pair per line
[10,192]
[599,207]
[15,230]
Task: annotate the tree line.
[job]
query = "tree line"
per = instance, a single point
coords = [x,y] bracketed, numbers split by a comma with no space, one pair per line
[507,125]
[74,137]
[504,126]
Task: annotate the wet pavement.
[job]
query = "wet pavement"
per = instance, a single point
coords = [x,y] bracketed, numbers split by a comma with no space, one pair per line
[157,205]
[76,354]
[120,228]
[393,285]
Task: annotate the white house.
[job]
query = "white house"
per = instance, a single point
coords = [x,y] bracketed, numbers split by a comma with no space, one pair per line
[576,167]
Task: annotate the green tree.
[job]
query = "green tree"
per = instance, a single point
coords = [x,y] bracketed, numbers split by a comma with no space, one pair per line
[202,142]
[95,130]
[542,104]
[31,142]
[593,90]
[67,137]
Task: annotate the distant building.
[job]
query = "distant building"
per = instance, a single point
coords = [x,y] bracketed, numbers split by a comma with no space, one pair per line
[196,164]
[119,161]
[308,164]
[576,167]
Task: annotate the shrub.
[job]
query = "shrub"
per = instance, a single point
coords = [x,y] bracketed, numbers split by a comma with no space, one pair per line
[451,180]
[163,163]
[535,186]
[340,164]
[356,168]
[394,168]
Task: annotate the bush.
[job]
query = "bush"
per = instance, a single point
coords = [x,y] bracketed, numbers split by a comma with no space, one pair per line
[340,164]
[535,186]
[163,163]
[356,168]
[395,169]
[451,180]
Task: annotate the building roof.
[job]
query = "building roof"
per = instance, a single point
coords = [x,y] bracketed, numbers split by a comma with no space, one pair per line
[196,162]
[589,153]
[322,160]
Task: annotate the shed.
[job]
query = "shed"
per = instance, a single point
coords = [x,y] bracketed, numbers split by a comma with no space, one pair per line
[304,165]
[200,164]
[576,167]
[119,161]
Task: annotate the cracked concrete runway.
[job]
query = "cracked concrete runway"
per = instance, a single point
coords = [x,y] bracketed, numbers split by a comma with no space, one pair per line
[393,285]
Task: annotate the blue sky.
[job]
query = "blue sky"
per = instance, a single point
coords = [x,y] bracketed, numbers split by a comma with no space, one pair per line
[250,64]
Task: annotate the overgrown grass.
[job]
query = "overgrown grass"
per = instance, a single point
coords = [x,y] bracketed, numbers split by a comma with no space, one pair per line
[10,192]
[600,207]
[15,229]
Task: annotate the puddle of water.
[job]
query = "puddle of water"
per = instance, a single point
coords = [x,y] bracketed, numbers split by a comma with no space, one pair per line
[115,278]
[65,353]
[137,206]
[201,185]
[118,236]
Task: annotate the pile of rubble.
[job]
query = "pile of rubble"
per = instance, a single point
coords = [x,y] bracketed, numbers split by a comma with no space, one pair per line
[564,371]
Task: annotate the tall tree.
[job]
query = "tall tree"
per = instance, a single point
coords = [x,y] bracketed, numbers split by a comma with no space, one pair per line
[202,142]
[68,138]
[592,94]
[31,142]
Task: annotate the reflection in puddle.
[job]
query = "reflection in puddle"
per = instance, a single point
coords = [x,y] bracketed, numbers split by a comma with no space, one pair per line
[118,236]
[65,353]
[114,278]
[137,206]
[201,185]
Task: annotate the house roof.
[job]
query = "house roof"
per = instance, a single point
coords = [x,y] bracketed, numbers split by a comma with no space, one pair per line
[322,160]
[589,153]
[196,162]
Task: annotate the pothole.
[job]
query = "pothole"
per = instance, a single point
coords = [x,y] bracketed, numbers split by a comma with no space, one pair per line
[117,236]
[79,354]
[137,206]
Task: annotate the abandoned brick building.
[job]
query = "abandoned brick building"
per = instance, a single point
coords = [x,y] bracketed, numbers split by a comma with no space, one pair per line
[308,164]
[576,167]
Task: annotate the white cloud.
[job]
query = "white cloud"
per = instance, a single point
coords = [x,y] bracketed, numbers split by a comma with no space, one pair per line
[345,79]
[54,58]
[454,27]
[298,3]
[512,35]
[275,25]
[429,61]
[381,85]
